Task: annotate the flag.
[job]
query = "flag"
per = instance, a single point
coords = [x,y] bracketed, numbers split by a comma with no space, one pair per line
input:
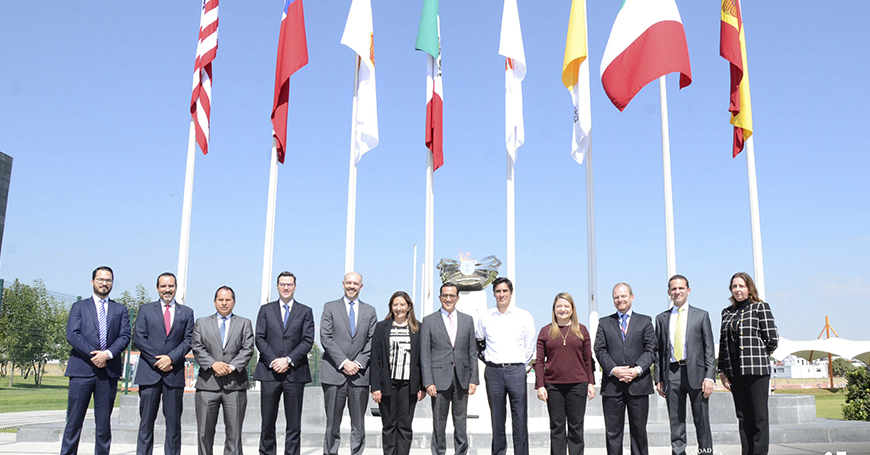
[292,55]
[511,47]
[206,50]
[575,77]
[732,46]
[429,41]
[647,41]
[359,36]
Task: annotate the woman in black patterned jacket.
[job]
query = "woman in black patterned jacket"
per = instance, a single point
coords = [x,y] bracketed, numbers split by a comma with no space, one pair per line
[747,338]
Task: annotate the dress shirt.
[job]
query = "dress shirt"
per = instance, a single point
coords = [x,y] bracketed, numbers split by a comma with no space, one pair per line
[289,308]
[627,325]
[171,311]
[672,328]
[226,332]
[106,308]
[446,317]
[510,336]
[355,309]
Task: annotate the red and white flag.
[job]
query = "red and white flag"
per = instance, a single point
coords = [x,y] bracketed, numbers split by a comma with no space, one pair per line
[292,55]
[206,49]
[511,47]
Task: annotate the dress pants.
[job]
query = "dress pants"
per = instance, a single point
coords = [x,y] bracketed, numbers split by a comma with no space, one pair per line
[677,390]
[103,389]
[334,399]
[207,405]
[566,403]
[456,398]
[149,403]
[270,397]
[750,393]
[614,422]
[503,383]
[397,413]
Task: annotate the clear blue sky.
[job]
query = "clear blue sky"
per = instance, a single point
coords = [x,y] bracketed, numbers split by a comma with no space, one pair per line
[94,109]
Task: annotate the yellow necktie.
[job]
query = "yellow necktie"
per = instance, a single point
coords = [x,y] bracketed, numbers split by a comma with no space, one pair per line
[678,336]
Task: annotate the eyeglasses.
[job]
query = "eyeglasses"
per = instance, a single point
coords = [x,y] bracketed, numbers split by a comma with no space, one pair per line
[449,296]
[286,285]
[103,280]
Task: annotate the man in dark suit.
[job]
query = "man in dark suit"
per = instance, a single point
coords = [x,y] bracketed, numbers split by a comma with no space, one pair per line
[448,363]
[98,329]
[223,344]
[285,334]
[346,329]
[625,346]
[162,333]
[685,365]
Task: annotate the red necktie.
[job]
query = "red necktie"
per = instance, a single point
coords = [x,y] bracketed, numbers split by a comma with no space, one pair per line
[167,320]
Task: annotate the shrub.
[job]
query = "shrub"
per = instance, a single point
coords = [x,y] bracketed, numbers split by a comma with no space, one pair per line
[857,405]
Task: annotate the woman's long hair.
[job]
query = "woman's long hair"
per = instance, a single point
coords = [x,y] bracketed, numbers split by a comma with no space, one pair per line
[412,320]
[750,286]
[575,326]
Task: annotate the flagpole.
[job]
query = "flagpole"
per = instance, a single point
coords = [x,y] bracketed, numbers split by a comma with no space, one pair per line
[184,245]
[511,223]
[269,247]
[414,276]
[591,260]
[754,217]
[429,268]
[351,179]
[669,199]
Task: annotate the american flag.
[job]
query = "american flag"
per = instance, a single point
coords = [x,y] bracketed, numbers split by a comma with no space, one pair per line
[206,49]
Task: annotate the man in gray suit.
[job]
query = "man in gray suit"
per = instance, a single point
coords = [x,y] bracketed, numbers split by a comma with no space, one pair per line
[346,329]
[685,366]
[448,363]
[223,344]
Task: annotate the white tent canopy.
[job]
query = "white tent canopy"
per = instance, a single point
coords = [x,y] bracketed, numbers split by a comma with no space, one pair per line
[817,349]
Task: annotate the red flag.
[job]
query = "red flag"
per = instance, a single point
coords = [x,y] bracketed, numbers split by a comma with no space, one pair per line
[206,49]
[292,55]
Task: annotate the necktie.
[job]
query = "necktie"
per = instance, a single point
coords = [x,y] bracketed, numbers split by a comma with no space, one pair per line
[103,325]
[452,333]
[167,319]
[352,321]
[678,336]
[286,314]
[623,324]
[223,330]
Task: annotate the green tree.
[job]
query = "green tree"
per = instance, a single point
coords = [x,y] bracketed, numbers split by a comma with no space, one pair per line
[857,405]
[133,303]
[314,357]
[32,329]
[841,367]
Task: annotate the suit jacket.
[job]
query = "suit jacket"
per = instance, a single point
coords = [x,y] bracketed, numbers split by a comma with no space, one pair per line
[83,334]
[275,341]
[150,337]
[638,349]
[380,376]
[339,345]
[700,360]
[439,360]
[755,330]
[208,348]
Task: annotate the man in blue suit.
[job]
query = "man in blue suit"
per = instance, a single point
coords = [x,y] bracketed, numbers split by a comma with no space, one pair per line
[163,334]
[98,329]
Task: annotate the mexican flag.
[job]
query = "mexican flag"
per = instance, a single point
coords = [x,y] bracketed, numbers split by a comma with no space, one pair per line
[429,41]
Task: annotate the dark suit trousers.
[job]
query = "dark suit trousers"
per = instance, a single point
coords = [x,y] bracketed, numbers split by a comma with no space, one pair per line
[80,391]
[677,390]
[750,395]
[503,384]
[334,399]
[397,414]
[149,403]
[566,403]
[208,404]
[270,396]
[614,422]
[457,398]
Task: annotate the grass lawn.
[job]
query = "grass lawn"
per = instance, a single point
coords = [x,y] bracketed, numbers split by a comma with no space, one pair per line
[829,402]
[25,396]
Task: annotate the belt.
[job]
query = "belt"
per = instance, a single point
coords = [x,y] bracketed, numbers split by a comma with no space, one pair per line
[502,365]
[681,363]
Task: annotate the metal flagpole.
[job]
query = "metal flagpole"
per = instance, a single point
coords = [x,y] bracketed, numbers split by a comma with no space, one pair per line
[429,269]
[591,261]
[269,247]
[414,276]
[669,199]
[511,225]
[757,260]
[351,179]
[184,246]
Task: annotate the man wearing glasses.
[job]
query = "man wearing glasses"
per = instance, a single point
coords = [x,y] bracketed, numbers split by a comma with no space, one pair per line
[448,363]
[285,334]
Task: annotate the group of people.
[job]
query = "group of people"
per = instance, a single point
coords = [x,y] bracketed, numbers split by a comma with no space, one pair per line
[400,360]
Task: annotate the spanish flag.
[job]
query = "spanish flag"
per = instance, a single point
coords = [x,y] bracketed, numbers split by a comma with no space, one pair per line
[732,47]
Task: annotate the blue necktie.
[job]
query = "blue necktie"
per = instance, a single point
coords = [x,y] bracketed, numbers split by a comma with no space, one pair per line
[623,318]
[103,325]
[223,330]
[352,321]
[286,314]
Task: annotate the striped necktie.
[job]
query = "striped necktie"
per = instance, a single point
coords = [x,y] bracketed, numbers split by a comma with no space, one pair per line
[103,324]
